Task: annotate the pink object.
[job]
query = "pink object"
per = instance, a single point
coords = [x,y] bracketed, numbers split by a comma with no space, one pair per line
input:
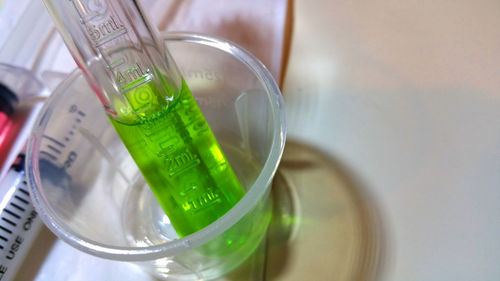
[8,124]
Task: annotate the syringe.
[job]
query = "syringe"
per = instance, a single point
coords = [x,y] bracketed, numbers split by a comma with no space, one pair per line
[19,222]
[151,108]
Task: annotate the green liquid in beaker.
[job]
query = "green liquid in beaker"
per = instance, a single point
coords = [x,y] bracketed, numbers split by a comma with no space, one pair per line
[177,153]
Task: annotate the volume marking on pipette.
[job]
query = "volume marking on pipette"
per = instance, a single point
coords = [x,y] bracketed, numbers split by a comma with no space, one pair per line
[105,31]
[116,63]
[181,162]
[133,77]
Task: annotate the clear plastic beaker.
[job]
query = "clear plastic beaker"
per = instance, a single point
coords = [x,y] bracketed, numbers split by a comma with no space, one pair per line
[91,194]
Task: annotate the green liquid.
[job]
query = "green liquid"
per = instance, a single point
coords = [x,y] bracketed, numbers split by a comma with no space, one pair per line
[179,157]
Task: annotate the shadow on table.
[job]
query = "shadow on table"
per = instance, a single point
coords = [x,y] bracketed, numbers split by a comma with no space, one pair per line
[325,225]
[39,251]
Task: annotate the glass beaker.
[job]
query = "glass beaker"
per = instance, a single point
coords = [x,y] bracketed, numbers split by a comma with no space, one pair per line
[91,194]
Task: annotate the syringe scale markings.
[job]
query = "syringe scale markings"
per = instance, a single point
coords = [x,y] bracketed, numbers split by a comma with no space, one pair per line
[9,221]
[24,190]
[17,207]
[5,229]
[12,214]
[21,199]
[18,225]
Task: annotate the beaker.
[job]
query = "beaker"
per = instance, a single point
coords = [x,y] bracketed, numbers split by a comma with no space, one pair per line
[90,193]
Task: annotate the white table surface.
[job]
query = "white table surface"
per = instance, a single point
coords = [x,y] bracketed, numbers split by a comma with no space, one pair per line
[407,95]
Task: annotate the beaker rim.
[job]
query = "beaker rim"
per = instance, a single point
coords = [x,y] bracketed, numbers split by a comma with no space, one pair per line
[176,246]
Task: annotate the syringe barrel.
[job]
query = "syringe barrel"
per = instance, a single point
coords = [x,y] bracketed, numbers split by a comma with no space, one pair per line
[117,50]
